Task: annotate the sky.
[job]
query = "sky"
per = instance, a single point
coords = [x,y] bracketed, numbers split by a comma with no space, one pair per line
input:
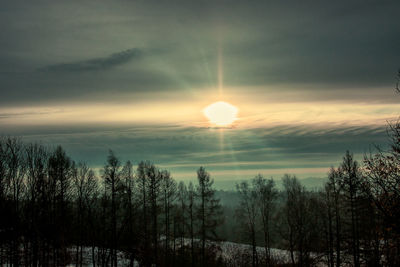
[310,80]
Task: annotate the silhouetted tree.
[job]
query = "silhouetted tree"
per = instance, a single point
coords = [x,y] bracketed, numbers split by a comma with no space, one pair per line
[130,206]
[112,179]
[247,212]
[154,182]
[181,215]
[382,184]
[53,209]
[168,188]
[60,175]
[191,194]
[84,186]
[297,213]
[36,179]
[91,199]
[208,211]
[266,197]
[334,204]
[350,181]
[142,187]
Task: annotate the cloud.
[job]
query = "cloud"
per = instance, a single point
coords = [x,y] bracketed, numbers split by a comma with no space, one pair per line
[16,115]
[183,149]
[96,64]
[344,49]
[272,52]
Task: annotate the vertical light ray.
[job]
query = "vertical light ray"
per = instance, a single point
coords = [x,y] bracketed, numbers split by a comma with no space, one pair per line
[221,139]
[233,156]
[206,65]
[220,71]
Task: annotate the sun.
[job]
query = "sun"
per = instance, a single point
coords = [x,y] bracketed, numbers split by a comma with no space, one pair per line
[221,113]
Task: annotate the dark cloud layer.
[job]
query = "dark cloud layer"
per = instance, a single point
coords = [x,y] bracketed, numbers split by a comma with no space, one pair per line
[338,44]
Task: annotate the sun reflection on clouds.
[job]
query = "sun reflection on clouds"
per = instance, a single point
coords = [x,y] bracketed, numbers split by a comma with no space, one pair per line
[189,112]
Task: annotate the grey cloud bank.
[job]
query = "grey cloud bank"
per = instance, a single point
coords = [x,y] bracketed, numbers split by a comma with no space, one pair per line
[341,43]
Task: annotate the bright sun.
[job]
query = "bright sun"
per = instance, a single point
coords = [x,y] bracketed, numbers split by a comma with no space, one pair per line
[221,113]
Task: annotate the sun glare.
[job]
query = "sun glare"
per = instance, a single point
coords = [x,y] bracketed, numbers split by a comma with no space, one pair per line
[221,113]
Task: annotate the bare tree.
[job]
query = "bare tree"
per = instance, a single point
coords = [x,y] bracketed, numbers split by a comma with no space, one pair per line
[130,206]
[382,184]
[14,186]
[247,212]
[84,186]
[266,197]
[333,204]
[181,198]
[60,175]
[208,212]
[112,179]
[298,215]
[191,194]
[168,188]
[142,187]
[149,184]
[91,198]
[36,161]
[350,182]
[154,182]
[3,188]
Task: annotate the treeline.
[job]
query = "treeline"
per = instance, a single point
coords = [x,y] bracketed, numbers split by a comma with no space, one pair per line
[53,209]
[55,212]
[353,221]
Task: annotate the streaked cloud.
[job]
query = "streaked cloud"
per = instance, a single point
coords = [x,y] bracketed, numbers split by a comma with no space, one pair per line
[96,64]
[227,154]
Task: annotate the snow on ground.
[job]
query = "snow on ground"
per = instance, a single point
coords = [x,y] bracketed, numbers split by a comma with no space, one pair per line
[231,248]
[228,251]
[123,260]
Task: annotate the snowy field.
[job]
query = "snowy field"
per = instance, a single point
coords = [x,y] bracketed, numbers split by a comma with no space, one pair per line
[123,259]
[230,252]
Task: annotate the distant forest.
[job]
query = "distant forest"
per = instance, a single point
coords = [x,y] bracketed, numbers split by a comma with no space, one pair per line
[53,209]
[56,212]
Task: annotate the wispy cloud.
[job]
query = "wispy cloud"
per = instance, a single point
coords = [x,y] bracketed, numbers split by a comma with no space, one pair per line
[28,113]
[102,63]
[241,153]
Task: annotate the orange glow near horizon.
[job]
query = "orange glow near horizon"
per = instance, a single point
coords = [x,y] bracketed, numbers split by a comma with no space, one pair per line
[193,111]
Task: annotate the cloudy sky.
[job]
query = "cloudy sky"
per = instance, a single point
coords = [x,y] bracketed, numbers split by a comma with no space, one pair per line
[310,79]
